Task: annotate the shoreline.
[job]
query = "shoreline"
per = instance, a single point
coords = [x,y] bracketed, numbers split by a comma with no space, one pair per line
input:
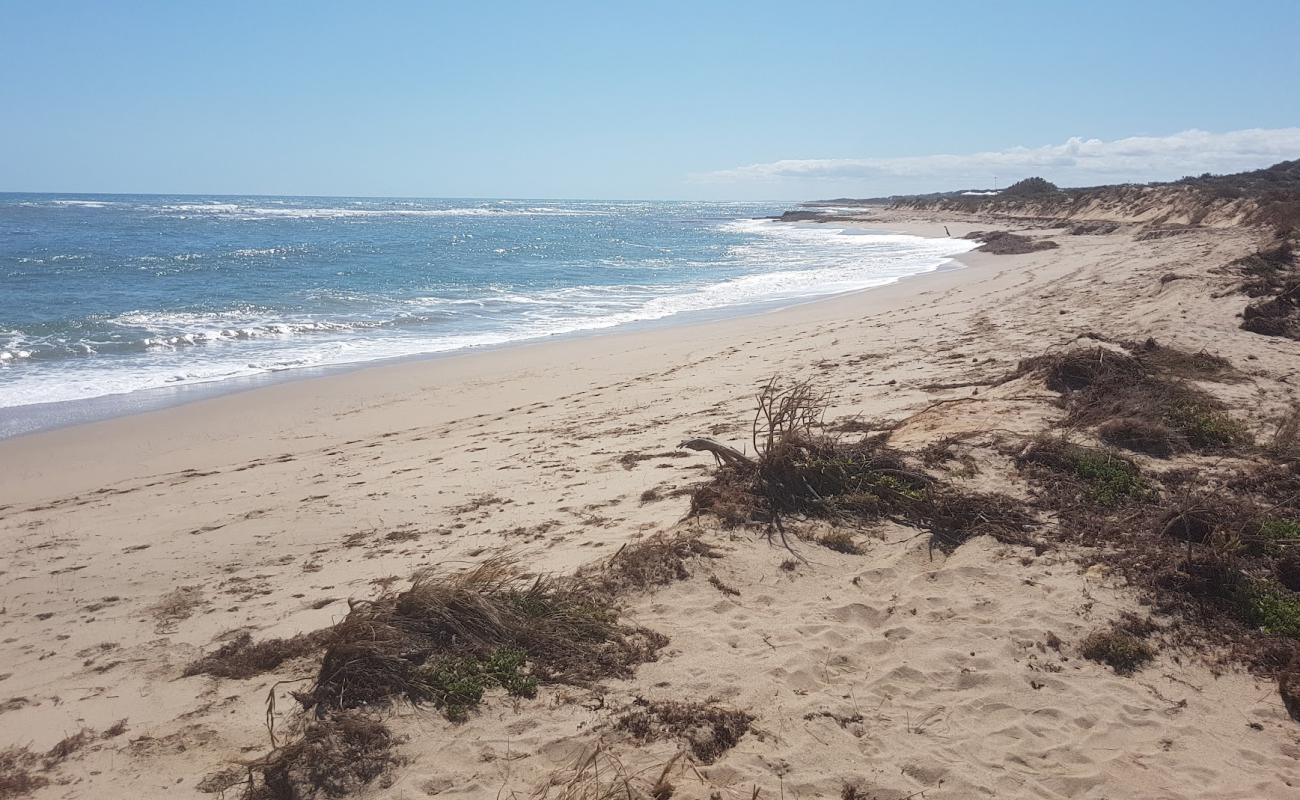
[33,419]
[264,412]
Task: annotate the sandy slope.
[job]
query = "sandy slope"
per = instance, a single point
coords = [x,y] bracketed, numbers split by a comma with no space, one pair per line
[137,543]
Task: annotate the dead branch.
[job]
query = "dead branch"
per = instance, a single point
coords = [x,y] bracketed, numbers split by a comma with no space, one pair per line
[723,453]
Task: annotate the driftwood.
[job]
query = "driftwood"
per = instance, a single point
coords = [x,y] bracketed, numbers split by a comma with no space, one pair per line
[724,454]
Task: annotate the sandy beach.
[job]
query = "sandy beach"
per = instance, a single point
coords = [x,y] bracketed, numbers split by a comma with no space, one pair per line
[137,544]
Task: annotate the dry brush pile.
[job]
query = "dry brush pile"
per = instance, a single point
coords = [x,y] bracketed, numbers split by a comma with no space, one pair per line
[1213,545]
[1270,276]
[801,470]
[445,641]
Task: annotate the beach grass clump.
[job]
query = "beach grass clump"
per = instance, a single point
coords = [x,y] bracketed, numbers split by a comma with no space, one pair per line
[840,541]
[598,774]
[1082,369]
[1110,480]
[242,657]
[1286,568]
[1141,398]
[449,637]
[1277,316]
[333,756]
[23,771]
[1204,425]
[1173,362]
[1005,243]
[942,452]
[1277,531]
[19,772]
[1119,649]
[445,642]
[1284,448]
[655,561]
[708,730]
[1270,275]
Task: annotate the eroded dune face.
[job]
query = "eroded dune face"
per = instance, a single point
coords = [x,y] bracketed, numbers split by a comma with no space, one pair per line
[1265,197]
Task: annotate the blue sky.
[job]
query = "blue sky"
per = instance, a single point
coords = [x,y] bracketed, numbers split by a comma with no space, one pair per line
[751,100]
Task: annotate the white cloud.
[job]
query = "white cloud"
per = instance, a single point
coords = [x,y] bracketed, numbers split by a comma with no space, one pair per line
[1076,162]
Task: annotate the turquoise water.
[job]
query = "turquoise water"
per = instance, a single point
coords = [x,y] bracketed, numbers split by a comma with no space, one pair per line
[114,294]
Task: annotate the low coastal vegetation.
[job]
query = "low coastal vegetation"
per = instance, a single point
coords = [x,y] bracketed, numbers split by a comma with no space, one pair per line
[1212,547]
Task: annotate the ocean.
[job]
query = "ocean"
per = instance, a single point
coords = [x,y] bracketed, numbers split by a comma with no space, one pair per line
[142,296]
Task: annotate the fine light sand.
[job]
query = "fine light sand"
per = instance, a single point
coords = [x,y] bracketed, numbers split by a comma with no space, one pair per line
[134,545]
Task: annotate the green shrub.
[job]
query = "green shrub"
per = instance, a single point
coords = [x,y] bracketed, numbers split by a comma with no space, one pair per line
[1274,528]
[1110,480]
[1272,608]
[456,684]
[1206,427]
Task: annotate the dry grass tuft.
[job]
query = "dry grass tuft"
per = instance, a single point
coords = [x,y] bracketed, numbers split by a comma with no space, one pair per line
[19,773]
[67,746]
[1141,398]
[1285,446]
[178,604]
[334,756]
[725,588]
[709,731]
[600,775]
[23,772]
[840,541]
[243,658]
[449,637]
[1118,649]
[445,641]
[1141,436]
[655,561]
[941,452]
[1271,274]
